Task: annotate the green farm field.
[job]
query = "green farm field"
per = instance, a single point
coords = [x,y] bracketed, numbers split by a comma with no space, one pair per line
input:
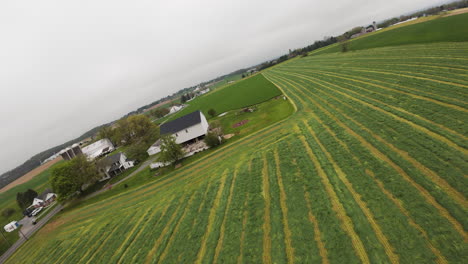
[371,168]
[252,90]
[444,29]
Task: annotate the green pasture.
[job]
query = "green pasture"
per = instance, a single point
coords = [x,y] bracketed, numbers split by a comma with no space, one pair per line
[263,115]
[249,91]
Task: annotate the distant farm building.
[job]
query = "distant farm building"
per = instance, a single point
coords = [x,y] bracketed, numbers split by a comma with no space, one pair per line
[203,91]
[71,152]
[113,165]
[365,30]
[371,28]
[175,108]
[185,129]
[98,149]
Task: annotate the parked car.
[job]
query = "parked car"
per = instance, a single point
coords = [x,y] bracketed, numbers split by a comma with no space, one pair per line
[28,211]
[36,211]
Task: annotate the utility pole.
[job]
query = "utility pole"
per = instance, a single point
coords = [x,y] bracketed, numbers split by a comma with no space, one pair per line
[3,235]
[19,230]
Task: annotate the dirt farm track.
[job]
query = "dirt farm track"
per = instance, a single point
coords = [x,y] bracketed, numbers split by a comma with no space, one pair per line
[28,176]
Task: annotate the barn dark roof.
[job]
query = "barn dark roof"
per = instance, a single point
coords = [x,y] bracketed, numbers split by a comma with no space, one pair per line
[181,123]
[43,195]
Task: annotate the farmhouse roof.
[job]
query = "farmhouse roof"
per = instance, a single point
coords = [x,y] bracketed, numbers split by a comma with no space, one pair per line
[181,123]
[37,201]
[50,195]
[157,143]
[43,195]
[110,159]
[114,167]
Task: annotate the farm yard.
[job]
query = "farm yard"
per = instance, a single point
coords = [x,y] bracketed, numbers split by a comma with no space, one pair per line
[371,168]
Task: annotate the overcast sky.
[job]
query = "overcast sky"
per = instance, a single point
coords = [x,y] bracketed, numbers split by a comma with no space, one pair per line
[68,66]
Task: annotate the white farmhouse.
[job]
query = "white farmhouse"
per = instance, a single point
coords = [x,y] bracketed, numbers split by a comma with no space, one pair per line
[113,165]
[98,148]
[186,128]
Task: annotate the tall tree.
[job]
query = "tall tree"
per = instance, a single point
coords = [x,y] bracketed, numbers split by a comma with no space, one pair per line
[171,152]
[68,178]
[25,199]
[107,132]
[159,112]
[134,128]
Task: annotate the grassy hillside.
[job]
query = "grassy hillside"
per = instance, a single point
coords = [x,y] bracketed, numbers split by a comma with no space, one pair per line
[445,29]
[243,93]
[371,168]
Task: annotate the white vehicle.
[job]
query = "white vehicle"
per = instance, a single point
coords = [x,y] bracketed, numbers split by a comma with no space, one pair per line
[36,211]
[11,226]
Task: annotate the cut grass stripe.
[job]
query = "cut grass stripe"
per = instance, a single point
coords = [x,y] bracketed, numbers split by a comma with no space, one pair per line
[104,241]
[410,90]
[166,229]
[137,226]
[242,238]
[429,198]
[266,220]
[373,83]
[168,244]
[394,116]
[219,244]
[144,229]
[437,253]
[453,193]
[202,251]
[337,206]
[284,210]
[389,250]
[317,233]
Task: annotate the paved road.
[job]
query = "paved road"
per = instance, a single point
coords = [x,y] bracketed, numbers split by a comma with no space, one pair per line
[29,233]
[30,229]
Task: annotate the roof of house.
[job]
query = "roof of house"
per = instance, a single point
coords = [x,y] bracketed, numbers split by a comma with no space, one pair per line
[114,167]
[50,195]
[37,201]
[43,194]
[157,143]
[181,123]
[110,159]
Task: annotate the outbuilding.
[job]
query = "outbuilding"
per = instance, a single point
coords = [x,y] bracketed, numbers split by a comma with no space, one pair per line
[190,127]
[98,149]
